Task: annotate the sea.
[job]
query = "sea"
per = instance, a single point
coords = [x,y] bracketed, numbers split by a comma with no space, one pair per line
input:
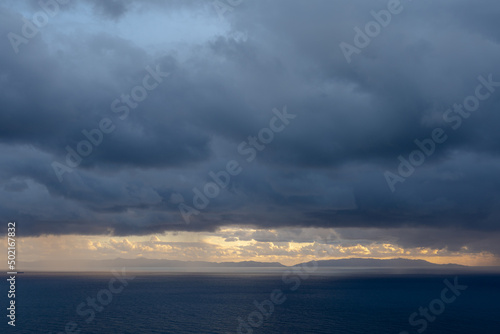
[340,301]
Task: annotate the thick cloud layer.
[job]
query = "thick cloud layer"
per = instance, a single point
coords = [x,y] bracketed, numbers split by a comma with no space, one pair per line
[228,68]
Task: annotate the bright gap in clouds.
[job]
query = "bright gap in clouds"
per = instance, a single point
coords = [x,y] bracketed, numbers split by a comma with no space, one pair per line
[154,29]
[235,244]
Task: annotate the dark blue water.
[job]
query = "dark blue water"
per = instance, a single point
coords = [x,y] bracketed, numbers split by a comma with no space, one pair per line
[212,303]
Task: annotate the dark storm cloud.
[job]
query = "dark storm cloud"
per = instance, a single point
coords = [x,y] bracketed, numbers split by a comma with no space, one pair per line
[325,169]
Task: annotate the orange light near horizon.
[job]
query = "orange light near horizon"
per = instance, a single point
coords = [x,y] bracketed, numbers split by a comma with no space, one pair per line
[223,246]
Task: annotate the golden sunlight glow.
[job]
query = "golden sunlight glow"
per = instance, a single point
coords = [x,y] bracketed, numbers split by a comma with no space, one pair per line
[232,244]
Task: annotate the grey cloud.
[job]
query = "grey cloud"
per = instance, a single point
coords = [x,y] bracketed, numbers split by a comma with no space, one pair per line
[324,170]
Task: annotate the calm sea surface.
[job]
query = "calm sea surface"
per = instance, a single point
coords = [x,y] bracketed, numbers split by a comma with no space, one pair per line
[229,303]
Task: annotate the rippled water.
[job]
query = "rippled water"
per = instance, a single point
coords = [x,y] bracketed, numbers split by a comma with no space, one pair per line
[212,303]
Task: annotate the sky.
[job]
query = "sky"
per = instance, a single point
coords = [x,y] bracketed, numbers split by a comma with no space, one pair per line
[233,130]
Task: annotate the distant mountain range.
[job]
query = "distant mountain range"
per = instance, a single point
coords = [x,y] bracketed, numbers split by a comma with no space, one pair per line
[145,263]
[382,263]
